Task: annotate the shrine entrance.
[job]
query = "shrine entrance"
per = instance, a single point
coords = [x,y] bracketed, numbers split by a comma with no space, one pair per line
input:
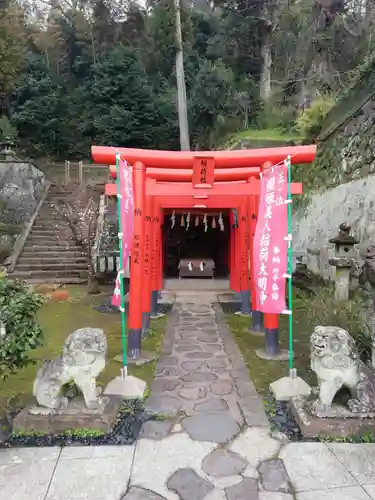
[217,181]
[196,244]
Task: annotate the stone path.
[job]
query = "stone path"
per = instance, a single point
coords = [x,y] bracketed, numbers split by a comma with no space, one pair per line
[216,445]
[201,379]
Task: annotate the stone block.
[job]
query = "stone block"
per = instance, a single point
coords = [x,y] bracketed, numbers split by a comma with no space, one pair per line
[256,445]
[223,463]
[76,416]
[188,485]
[313,426]
[214,427]
[245,490]
[285,388]
[156,429]
[274,476]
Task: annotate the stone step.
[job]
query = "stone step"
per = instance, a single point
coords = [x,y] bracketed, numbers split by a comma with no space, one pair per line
[52,232]
[54,276]
[45,261]
[50,219]
[59,193]
[62,254]
[59,281]
[53,238]
[48,225]
[60,266]
[63,247]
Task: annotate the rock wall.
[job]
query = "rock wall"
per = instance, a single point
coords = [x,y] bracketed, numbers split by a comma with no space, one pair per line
[346,145]
[21,186]
[347,154]
[314,225]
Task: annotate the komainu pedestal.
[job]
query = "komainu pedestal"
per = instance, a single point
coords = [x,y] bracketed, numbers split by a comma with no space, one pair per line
[335,360]
[82,360]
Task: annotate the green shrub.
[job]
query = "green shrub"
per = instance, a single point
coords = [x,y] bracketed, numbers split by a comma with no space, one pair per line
[18,307]
[322,308]
[310,121]
[275,115]
[5,250]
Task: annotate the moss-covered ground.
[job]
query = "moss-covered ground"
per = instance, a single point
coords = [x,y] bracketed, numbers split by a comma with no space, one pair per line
[58,320]
[264,372]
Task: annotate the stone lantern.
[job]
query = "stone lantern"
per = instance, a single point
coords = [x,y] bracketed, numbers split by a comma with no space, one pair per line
[6,150]
[345,253]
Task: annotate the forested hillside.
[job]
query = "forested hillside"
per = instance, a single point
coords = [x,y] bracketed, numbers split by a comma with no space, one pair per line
[75,72]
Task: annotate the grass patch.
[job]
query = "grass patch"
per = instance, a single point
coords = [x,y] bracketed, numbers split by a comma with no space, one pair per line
[267,137]
[58,320]
[263,372]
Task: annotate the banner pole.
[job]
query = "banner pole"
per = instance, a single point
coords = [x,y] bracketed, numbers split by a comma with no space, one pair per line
[290,267]
[121,271]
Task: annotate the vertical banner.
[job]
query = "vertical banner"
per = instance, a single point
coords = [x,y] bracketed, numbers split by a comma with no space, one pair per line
[271,241]
[126,221]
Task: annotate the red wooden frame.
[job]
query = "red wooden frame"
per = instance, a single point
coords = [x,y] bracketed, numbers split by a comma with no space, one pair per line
[187,180]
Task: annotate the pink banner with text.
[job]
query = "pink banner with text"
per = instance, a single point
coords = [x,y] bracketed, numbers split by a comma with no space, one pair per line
[271,241]
[127,222]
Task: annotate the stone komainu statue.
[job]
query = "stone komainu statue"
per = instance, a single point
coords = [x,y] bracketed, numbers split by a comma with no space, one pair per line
[335,360]
[81,361]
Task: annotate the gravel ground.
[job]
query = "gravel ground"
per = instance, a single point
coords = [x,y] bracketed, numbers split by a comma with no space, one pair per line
[107,308]
[230,307]
[281,418]
[125,431]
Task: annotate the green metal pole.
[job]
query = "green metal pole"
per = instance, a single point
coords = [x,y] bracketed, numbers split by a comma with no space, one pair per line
[290,264]
[121,271]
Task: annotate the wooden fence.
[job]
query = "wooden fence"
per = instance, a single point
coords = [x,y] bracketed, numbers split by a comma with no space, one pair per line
[81,173]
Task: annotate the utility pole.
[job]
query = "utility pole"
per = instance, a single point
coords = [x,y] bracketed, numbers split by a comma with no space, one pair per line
[181,87]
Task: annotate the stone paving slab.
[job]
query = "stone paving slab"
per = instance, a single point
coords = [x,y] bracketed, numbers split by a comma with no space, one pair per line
[358,459]
[29,455]
[268,495]
[141,494]
[370,490]
[312,466]
[349,493]
[25,481]
[124,453]
[91,478]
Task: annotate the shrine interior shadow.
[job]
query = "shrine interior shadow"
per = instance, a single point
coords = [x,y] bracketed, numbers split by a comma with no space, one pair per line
[197,237]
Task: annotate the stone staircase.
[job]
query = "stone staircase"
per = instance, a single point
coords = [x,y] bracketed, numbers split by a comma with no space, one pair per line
[50,254]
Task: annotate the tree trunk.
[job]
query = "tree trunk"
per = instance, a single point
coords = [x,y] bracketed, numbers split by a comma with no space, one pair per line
[265,79]
[181,86]
[93,287]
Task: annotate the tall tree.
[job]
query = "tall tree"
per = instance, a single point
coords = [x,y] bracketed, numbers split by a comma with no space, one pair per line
[13,41]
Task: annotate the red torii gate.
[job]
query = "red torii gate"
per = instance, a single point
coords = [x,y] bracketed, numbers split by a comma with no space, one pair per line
[193,180]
